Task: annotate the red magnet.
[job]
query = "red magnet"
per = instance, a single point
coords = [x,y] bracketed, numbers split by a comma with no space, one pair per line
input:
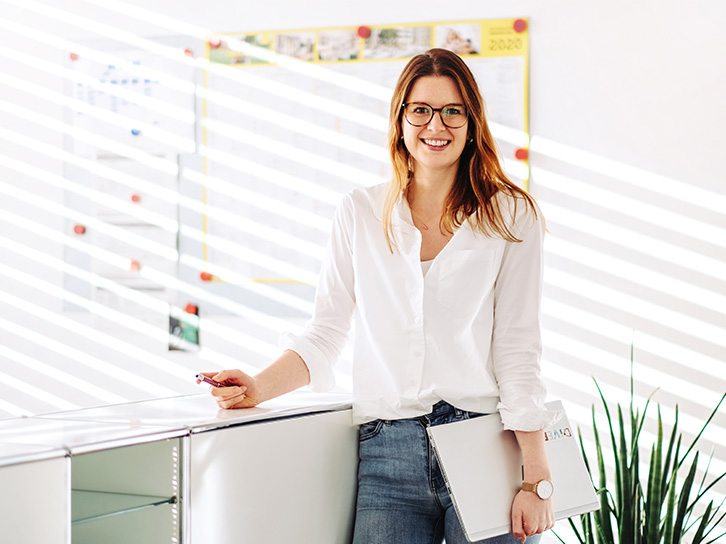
[522,154]
[135,266]
[214,42]
[73,56]
[188,52]
[191,309]
[520,25]
[79,229]
[136,198]
[364,32]
[205,276]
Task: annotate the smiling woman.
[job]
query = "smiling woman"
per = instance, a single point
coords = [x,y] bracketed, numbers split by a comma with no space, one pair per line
[443,279]
[413,120]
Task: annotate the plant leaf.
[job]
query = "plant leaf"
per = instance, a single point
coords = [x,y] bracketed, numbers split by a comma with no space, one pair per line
[670,508]
[685,492]
[710,417]
[698,537]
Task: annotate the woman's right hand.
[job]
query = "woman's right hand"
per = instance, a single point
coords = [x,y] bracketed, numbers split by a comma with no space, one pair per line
[239,390]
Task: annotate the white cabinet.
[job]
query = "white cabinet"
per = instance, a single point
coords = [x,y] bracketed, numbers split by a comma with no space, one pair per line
[291,480]
[33,495]
[110,483]
[181,471]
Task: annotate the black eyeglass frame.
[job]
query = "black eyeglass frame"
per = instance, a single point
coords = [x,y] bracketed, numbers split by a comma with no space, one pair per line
[433,111]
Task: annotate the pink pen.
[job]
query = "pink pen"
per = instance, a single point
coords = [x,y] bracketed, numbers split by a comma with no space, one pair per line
[210,381]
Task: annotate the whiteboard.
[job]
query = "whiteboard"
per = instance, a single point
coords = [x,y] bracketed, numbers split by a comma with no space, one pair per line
[293,120]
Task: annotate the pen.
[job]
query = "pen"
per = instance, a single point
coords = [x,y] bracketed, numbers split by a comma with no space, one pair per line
[210,381]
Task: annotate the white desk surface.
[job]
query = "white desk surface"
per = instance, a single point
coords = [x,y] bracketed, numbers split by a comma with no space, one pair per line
[198,413]
[92,429]
[13,454]
[77,437]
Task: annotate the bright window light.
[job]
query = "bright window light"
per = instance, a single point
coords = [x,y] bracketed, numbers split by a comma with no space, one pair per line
[230,276]
[306,158]
[153,218]
[642,341]
[255,229]
[86,164]
[311,130]
[13,409]
[646,277]
[119,233]
[615,363]
[270,175]
[288,92]
[664,219]
[638,177]
[91,333]
[630,239]
[295,273]
[25,32]
[636,306]
[253,198]
[51,371]
[163,107]
[185,145]
[34,391]
[163,165]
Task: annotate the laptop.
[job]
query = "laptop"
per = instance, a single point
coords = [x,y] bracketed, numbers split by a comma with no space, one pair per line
[482,465]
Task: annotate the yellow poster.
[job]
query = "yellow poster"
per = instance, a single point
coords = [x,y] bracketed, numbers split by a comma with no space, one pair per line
[295,119]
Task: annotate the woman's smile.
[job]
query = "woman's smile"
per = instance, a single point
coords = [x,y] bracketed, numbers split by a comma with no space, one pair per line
[436,144]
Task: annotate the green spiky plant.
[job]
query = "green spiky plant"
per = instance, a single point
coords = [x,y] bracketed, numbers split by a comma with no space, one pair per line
[663,509]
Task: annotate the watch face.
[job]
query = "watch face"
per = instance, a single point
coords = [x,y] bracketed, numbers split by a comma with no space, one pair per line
[545,489]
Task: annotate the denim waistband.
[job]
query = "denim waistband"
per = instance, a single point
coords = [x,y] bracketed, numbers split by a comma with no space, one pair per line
[443,412]
[443,408]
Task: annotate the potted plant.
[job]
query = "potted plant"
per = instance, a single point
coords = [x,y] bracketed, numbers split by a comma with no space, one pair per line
[659,509]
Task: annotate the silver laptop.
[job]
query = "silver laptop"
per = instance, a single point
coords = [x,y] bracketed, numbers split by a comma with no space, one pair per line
[482,465]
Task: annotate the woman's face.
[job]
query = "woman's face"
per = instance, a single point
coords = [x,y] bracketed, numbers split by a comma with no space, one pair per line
[434,147]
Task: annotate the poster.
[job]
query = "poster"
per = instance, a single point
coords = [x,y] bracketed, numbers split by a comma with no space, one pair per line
[293,120]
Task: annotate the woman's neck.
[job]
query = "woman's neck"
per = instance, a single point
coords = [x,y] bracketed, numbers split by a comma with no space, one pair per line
[426,194]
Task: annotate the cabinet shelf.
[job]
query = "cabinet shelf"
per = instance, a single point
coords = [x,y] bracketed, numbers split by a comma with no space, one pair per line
[93,505]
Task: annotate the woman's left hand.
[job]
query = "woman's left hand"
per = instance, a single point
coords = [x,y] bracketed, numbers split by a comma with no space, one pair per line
[531,515]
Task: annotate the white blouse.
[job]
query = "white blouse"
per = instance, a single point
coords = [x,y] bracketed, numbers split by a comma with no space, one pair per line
[467,332]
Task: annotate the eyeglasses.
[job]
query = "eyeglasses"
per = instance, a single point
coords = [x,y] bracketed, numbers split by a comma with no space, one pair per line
[419,114]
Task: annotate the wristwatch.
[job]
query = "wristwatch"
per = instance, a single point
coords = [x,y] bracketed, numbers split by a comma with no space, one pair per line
[544,489]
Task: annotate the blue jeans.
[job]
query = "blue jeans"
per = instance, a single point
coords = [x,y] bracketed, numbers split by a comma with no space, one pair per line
[402,496]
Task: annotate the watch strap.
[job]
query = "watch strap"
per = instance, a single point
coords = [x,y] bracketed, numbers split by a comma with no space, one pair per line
[529,487]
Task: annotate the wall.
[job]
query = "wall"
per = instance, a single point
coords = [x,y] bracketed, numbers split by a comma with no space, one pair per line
[625,118]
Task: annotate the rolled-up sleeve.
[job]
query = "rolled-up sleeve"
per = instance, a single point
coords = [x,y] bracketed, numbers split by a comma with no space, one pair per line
[516,336]
[325,335]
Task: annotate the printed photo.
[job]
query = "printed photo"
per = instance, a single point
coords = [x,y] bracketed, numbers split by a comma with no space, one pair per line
[397,42]
[233,50]
[462,39]
[336,45]
[299,45]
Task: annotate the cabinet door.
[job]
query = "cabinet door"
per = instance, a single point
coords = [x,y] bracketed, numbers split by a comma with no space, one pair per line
[127,495]
[290,480]
[34,503]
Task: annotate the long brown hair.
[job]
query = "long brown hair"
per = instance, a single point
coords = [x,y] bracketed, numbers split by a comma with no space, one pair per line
[480,175]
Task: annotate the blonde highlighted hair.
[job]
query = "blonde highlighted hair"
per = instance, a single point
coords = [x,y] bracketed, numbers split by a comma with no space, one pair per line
[480,175]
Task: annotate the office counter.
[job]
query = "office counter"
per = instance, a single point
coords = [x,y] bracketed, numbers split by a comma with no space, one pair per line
[181,470]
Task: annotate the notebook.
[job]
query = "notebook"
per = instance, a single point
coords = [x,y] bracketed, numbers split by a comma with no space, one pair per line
[481,463]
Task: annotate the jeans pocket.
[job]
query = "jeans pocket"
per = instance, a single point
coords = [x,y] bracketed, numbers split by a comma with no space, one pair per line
[369,430]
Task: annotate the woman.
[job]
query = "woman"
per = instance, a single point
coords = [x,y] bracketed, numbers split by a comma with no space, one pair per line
[442,270]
